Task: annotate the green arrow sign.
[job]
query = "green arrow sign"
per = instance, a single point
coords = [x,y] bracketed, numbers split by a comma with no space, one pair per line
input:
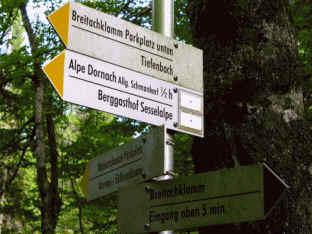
[220,197]
[134,162]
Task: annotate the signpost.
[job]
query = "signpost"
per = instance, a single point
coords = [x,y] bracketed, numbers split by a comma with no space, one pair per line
[115,66]
[138,160]
[220,197]
[118,67]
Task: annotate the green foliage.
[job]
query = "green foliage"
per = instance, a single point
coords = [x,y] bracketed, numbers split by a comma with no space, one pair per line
[17,33]
[182,26]
[301,11]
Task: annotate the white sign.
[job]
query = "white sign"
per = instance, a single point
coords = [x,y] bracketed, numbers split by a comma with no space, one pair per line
[111,39]
[118,67]
[93,83]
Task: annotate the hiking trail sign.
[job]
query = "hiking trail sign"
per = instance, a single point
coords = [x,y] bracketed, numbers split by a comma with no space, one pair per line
[134,162]
[115,66]
[102,36]
[246,193]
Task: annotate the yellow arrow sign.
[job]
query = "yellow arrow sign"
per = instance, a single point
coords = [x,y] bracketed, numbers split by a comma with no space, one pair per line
[55,72]
[60,21]
[134,52]
[102,36]
[84,182]
[99,85]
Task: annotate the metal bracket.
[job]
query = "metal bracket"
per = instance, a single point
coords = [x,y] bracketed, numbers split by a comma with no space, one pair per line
[172,173]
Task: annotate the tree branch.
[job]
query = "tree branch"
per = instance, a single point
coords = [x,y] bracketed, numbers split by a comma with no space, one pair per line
[125,7]
[145,11]
[14,174]
[16,140]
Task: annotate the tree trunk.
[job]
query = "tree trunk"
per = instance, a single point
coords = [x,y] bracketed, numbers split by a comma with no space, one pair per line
[3,179]
[253,102]
[50,201]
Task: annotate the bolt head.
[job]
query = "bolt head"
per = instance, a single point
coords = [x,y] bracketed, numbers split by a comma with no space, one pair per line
[147,188]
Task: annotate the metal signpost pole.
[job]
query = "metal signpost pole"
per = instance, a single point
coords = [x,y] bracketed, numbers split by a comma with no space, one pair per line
[163,22]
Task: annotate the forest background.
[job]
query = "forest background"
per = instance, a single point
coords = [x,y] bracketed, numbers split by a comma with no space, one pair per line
[258,107]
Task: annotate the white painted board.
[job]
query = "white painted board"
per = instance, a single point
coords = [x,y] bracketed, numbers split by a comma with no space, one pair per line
[100,85]
[122,43]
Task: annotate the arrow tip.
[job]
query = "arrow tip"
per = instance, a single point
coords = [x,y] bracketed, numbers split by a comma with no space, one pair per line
[60,21]
[55,72]
[274,189]
[84,182]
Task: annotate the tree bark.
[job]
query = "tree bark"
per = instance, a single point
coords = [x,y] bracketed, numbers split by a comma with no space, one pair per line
[3,179]
[253,102]
[50,200]
[55,202]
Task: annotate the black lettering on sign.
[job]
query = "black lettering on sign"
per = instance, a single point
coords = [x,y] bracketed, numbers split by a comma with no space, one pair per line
[102,74]
[118,102]
[163,217]
[105,184]
[177,190]
[123,176]
[139,39]
[74,65]
[204,210]
[97,23]
[164,49]
[156,111]
[217,210]
[157,66]
[190,212]
[212,210]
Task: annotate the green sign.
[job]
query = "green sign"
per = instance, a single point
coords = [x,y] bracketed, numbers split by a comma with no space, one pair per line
[134,162]
[221,197]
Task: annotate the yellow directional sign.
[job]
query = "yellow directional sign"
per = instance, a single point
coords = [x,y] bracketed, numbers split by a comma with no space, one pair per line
[99,85]
[55,72]
[84,181]
[60,21]
[115,66]
[94,33]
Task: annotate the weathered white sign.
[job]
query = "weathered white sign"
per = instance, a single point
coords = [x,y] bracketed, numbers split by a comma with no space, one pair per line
[94,83]
[122,43]
[121,68]
[133,162]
